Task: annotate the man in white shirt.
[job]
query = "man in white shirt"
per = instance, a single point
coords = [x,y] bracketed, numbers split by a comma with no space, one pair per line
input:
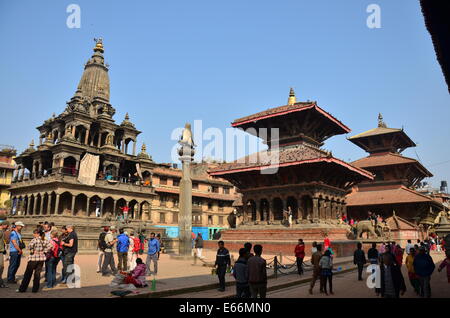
[408,247]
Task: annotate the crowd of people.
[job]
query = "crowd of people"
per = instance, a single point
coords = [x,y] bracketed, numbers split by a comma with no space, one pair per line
[391,256]
[50,246]
[250,269]
[47,248]
[130,249]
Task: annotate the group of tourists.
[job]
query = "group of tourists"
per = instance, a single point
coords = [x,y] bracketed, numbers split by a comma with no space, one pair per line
[249,271]
[389,256]
[48,247]
[129,248]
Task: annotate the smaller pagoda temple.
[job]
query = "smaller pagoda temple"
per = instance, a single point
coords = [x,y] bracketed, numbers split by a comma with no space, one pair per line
[309,183]
[396,178]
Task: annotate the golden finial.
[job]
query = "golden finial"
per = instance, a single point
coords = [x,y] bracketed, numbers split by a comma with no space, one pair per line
[291,100]
[144,148]
[98,44]
[127,117]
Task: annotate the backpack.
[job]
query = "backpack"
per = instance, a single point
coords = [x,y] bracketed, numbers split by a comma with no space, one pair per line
[101,242]
[137,244]
[59,250]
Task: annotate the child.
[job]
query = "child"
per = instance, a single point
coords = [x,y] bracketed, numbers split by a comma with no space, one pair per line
[446,263]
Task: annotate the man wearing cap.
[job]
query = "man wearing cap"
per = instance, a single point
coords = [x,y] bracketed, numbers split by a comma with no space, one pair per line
[109,258]
[3,228]
[15,251]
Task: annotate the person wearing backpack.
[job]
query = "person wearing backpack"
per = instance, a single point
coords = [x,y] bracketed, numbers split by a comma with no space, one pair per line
[53,257]
[101,246]
[123,243]
[109,258]
[133,251]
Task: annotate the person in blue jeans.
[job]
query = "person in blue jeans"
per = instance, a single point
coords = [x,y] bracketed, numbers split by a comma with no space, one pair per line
[123,244]
[15,251]
[152,254]
[53,261]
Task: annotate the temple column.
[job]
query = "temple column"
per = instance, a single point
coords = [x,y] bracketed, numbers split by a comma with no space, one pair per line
[73,131]
[34,204]
[57,203]
[41,208]
[49,202]
[332,215]
[315,215]
[99,139]
[258,211]
[114,208]
[134,147]
[87,205]
[72,208]
[39,172]
[101,207]
[137,211]
[123,146]
[33,170]
[270,216]
[27,212]
[86,139]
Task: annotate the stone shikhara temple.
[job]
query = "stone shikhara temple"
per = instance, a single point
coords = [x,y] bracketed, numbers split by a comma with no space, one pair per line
[85,171]
[54,185]
[310,181]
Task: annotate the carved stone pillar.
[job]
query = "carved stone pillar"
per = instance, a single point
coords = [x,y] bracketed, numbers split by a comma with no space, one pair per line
[258,211]
[134,147]
[101,207]
[57,203]
[86,139]
[27,212]
[35,204]
[41,207]
[87,205]
[49,202]
[72,208]
[315,215]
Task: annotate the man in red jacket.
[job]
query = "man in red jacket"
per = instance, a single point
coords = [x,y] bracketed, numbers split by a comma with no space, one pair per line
[300,255]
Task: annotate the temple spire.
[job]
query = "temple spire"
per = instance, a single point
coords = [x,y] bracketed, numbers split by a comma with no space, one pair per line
[381,123]
[94,83]
[291,100]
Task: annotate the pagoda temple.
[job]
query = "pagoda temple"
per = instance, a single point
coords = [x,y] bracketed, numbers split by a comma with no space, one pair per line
[392,192]
[309,181]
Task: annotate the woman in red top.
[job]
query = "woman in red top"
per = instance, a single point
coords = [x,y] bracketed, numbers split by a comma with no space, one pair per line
[326,243]
[300,255]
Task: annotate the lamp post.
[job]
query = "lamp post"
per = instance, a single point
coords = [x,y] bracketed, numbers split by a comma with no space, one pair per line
[186,153]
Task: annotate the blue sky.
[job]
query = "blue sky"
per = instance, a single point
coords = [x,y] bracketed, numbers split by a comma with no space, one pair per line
[176,61]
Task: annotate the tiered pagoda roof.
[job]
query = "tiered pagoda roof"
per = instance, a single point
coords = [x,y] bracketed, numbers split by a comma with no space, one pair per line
[303,128]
